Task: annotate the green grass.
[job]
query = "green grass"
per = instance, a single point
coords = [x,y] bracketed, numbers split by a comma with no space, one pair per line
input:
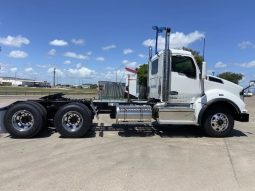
[7,90]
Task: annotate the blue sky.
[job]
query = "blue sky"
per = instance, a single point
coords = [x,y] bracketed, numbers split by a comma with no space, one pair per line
[89,40]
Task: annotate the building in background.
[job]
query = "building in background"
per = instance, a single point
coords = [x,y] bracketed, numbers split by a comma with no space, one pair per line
[131,81]
[11,81]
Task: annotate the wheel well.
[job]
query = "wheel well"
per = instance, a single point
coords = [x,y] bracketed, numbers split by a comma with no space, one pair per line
[220,104]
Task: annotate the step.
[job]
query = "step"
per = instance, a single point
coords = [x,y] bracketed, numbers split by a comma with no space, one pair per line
[176,115]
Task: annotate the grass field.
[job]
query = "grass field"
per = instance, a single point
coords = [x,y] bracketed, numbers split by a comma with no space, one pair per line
[7,90]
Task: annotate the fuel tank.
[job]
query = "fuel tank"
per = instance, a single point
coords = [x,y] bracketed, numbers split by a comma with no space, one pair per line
[133,114]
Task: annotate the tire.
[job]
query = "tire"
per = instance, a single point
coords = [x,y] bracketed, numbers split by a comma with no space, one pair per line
[218,122]
[73,120]
[42,110]
[23,120]
[86,108]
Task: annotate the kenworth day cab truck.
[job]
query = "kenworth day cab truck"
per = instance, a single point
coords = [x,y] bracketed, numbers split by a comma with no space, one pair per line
[177,94]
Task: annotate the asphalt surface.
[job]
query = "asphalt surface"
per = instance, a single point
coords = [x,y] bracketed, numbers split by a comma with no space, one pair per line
[118,158]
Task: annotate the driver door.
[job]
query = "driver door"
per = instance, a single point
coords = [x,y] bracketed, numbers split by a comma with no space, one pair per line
[185,82]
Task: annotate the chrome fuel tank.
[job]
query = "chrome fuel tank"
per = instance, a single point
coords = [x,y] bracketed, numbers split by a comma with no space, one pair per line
[133,113]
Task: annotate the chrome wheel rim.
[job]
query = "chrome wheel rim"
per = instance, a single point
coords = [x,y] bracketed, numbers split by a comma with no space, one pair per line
[219,122]
[22,120]
[72,121]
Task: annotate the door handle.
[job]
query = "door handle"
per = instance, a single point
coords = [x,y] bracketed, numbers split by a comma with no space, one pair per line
[174,93]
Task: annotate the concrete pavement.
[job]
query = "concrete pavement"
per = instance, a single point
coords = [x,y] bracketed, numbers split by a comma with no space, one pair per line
[118,158]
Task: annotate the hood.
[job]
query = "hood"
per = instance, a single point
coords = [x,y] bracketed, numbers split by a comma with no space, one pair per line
[219,83]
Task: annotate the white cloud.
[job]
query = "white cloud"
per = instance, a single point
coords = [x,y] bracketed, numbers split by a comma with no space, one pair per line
[250,64]
[43,65]
[220,65]
[14,69]
[58,42]
[75,55]
[246,44]
[109,47]
[89,53]
[81,72]
[150,42]
[110,75]
[210,72]
[67,62]
[129,63]
[110,68]
[79,41]
[177,40]
[18,54]
[141,55]
[59,72]
[127,51]
[243,80]
[78,72]
[29,70]
[79,65]
[12,41]
[100,58]
[52,52]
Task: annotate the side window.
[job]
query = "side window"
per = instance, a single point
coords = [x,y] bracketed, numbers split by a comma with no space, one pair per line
[154,67]
[184,65]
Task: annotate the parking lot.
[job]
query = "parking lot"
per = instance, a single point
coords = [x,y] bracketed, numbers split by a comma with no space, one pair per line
[130,158]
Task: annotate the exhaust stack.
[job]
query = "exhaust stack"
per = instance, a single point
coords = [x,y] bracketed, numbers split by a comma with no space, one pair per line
[167,68]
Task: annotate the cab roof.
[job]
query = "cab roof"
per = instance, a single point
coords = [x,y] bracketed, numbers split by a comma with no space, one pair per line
[175,52]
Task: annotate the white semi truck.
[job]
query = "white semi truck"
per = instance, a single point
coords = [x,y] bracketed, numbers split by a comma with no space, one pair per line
[178,93]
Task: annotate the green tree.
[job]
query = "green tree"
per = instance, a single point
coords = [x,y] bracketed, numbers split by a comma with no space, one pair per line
[231,76]
[199,58]
[142,74]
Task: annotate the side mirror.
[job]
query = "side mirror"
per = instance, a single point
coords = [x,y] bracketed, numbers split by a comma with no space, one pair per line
[204,70]
[252,83]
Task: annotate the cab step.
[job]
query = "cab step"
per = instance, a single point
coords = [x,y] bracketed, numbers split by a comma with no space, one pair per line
[176,114]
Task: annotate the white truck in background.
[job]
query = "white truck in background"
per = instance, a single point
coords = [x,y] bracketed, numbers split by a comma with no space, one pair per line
[178,93]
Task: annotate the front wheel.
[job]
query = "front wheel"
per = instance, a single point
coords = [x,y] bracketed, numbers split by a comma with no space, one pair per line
[218,122]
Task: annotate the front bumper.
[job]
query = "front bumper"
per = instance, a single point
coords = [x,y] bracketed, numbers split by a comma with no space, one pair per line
[243,117]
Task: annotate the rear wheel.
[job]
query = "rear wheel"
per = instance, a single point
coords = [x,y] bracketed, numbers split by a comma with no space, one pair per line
[23,120]
[218,122]
[73,120]
[86,108]
[41,109]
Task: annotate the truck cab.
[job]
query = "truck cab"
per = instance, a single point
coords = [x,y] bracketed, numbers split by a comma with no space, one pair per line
[208,101]
[185,77]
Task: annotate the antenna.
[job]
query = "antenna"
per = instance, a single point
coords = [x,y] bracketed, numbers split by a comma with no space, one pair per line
[204,50]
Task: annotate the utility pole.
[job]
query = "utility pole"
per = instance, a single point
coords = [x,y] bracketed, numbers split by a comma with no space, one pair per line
[15,78]
[54,77]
